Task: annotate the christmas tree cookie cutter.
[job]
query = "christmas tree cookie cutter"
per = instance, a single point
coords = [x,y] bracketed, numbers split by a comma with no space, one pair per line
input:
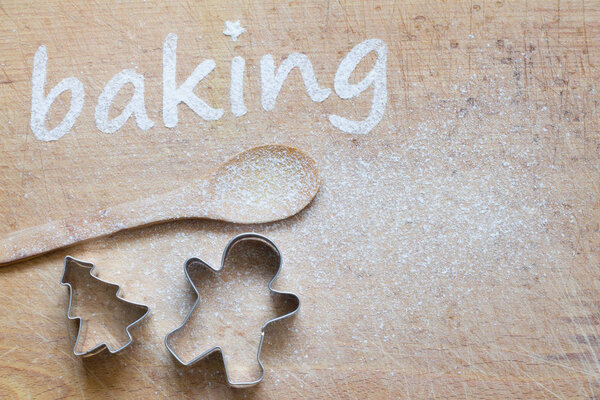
[218,348]
[70,264]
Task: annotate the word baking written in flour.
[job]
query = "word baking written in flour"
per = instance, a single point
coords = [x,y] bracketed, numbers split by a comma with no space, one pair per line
[272,80]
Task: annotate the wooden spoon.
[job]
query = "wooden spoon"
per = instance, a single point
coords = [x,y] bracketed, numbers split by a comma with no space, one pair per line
[263,184]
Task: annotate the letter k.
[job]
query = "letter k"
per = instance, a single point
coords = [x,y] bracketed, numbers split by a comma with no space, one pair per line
[173,95]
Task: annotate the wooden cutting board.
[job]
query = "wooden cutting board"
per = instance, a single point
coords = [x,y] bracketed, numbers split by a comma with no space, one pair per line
[452,252]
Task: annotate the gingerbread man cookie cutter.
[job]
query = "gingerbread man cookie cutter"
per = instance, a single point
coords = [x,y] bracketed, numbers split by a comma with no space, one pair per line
[218,348]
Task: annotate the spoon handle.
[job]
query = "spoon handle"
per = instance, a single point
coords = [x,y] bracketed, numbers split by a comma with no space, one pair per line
[37,240]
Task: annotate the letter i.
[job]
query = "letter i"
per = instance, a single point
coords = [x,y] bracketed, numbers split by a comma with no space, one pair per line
[236,91]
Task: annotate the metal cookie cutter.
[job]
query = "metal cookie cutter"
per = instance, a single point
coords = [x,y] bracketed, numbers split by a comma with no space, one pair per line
[290,296]
[71,263]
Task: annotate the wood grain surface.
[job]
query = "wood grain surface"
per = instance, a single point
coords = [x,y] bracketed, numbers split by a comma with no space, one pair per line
[452,252]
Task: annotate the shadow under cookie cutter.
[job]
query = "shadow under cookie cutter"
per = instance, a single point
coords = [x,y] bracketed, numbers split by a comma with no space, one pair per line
[70,262]
[218,348]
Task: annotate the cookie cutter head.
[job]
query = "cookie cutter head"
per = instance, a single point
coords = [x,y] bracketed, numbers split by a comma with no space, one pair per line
[70,264]
[289,296]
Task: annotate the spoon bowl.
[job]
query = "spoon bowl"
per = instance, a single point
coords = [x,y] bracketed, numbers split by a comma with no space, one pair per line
[265,184]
